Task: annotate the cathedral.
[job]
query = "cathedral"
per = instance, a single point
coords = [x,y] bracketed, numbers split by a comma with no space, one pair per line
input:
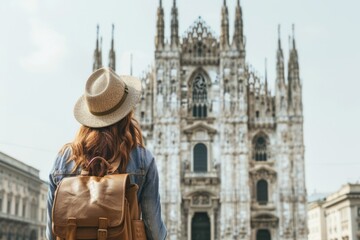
[230,154]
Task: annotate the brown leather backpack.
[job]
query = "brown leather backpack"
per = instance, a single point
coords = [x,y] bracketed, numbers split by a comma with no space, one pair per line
[92,207]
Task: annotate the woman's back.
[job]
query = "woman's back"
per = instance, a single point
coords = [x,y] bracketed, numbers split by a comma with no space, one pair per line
[110,131]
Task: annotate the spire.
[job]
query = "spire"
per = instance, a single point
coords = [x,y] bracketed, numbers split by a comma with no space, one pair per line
[280,86]
[174,26]
[238,38]
[131,64]
[279,41]
[224,38]
[112,36]
[280,79]
[293,51]
[97,37]
[160,26]
[294,86]
[112,58]
[293,32]
[293,65]
[266,80]
[97,52]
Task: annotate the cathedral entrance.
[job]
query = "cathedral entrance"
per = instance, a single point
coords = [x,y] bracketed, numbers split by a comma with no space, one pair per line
[263,234]
[200,226]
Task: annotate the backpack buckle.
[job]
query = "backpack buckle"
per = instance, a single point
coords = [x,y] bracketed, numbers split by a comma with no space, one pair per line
[102,234]
[102,231]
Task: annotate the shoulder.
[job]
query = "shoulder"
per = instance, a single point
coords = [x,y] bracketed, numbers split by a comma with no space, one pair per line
[140,158]
[62,157]
[62,167]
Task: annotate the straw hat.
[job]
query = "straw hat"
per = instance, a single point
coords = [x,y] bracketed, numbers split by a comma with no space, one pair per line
[108,98]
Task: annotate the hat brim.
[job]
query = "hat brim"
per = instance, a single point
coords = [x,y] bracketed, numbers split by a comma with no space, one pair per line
[85,117]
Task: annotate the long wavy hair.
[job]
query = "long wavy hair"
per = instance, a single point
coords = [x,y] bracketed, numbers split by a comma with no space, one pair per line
[112,143]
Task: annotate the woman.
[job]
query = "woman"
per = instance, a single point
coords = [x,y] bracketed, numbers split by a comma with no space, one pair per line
[109,130]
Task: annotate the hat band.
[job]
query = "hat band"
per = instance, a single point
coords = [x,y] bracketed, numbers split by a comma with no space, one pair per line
[117,106]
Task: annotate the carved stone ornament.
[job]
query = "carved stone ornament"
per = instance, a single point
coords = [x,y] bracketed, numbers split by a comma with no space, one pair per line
[201,199]
[264,220]
[263,172]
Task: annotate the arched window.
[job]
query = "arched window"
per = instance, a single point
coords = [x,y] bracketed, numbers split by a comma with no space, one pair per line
[199,48]
[199,97]
[260,153]
[263,234]
[200,158]
[262,192]
[9,205]
[227,86]
[159,87]
[200,226]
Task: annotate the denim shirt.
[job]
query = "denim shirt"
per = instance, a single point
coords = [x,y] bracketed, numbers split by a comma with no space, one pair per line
[143,172]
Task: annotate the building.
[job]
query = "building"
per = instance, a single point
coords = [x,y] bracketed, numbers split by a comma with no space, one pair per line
[342,211]
[42,210]
[316,220]
[230,154]
[22,201]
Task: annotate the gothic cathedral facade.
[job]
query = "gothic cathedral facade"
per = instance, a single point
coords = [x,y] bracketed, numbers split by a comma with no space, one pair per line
[230,154]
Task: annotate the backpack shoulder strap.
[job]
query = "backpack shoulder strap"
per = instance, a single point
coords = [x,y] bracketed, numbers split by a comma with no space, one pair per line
[110,168]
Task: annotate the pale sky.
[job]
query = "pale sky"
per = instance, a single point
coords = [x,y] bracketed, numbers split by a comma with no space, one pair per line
[46,52]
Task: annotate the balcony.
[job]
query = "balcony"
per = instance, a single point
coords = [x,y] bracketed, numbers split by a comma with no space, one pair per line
[264,206]
[268,122]
[201,178]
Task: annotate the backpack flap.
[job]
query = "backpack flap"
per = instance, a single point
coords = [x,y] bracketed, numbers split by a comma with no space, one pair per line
[93,203]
